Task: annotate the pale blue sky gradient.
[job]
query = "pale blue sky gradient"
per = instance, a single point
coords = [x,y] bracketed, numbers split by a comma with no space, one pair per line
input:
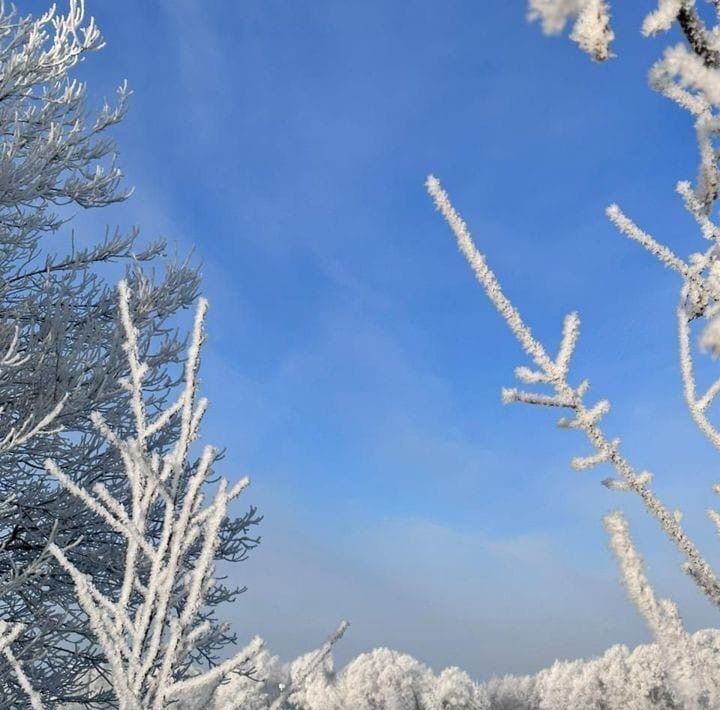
[354,367]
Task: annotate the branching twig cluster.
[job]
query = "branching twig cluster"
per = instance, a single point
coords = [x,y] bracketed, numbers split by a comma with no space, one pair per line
[690,76]
[147,644]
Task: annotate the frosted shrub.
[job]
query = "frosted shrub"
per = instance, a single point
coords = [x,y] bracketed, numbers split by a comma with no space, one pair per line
[455,690]
[513,693]
[618,679]
[385,679]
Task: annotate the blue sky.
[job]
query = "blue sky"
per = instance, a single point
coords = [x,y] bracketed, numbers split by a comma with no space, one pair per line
[354,367]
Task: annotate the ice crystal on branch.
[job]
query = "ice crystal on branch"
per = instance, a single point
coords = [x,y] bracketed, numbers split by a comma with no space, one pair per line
[591,30]
[663,17]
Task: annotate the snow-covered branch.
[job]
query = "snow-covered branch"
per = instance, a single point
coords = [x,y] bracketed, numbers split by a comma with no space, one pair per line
[553,372]
[317,659]
[691,686]
[591,29]
[690,76]
[168,576]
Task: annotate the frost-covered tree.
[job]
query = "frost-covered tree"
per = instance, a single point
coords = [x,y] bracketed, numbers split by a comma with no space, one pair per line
[307,682]
[617,680]
[379,680]
[63,358]
[689,74]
